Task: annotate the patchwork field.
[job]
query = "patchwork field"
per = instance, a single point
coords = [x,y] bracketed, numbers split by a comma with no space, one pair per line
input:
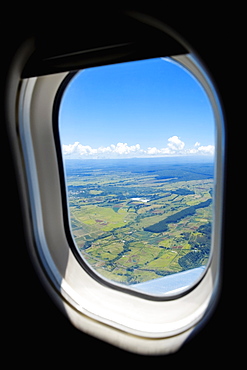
[137,220]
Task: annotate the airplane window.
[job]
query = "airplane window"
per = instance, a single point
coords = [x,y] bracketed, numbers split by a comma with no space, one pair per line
[138,145]
[121,172]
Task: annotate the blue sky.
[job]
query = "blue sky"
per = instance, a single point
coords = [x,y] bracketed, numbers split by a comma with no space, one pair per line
[136,109]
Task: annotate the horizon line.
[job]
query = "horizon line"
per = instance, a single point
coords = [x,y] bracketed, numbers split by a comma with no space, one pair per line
[184,157]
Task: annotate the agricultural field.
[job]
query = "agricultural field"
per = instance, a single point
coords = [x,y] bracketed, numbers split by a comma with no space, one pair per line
[140,219]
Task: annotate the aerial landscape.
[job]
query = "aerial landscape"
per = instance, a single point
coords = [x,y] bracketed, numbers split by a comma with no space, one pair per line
[139,219]
[138,144]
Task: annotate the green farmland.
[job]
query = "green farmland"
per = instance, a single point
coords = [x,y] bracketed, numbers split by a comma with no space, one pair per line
[137,220]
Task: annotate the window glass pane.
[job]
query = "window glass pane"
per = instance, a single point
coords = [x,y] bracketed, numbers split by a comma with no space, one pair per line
[138,146]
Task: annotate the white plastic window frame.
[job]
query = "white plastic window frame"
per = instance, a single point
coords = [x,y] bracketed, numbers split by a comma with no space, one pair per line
[190,65]
[131,322]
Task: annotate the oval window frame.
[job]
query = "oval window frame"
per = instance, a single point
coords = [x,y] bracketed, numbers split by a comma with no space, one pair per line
[115,323]
[192,66]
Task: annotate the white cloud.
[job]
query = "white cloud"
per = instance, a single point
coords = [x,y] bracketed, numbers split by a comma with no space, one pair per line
[79,150]
[123,148]
[153,151]
[191,151]
[175,146]
[206,150]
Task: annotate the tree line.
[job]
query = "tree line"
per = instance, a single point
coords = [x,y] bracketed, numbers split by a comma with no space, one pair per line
[162,225]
